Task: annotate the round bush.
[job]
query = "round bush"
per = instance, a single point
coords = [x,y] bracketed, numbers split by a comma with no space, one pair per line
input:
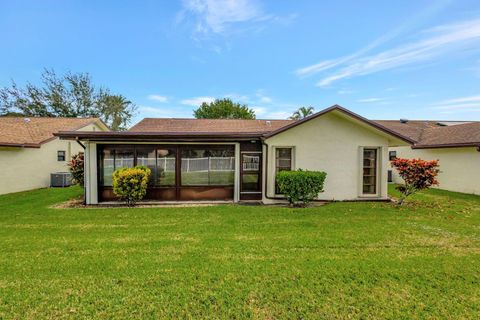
[299,186]
[130,184]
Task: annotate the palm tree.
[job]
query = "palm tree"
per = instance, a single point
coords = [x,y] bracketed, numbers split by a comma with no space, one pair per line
[117,110]
[302,112]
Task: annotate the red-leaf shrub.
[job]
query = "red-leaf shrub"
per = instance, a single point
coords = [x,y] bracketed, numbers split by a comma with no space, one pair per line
[76,168]
[417,174]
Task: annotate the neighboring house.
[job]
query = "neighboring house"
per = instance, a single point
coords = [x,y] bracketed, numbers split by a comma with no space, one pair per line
[29,152]
[237,160]
[455,144]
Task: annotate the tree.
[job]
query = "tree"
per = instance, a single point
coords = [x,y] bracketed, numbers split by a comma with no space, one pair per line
[417,175]
[116,110]
[70,95]
[302,112]
[223,109]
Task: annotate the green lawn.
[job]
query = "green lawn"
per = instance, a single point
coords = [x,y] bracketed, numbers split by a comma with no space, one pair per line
[341,260]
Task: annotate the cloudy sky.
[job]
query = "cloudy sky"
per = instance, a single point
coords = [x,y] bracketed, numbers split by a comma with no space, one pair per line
[383,59]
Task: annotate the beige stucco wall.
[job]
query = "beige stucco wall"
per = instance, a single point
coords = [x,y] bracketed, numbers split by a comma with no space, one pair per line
[29,168]
[332,143]
[459,167]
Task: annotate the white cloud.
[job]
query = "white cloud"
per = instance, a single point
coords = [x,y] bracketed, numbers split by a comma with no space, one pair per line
[442,40]
[157,98]
[215,16]
[409,24]
[345,91]
[262,97]
[197,101]
[147,111]
[462,104]
[369,100]
[461,100]
[259,111]
[435,42]
[266,99]
[279,115]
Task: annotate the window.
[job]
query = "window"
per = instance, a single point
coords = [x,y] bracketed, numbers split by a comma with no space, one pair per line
[61,155]
[166,160]
[146,158]
[283,162]
[392,155]
[114,158]
[369,171]
[212,166]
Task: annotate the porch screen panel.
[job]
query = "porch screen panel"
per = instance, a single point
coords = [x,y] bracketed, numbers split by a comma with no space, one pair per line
[146,157]
[108,167]
[114,158]
[166,167]
[208,166]
[369,171]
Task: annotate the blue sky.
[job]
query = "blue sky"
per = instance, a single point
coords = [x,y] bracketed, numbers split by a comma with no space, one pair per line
[382,59]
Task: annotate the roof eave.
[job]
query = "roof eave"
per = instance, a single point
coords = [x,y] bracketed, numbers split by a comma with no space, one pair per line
[156,136]
[20,145]
[446,145]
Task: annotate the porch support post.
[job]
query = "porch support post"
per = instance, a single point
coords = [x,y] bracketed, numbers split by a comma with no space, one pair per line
[236,189]
[91,190]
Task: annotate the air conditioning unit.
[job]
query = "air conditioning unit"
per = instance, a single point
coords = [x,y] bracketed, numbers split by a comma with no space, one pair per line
[60,179]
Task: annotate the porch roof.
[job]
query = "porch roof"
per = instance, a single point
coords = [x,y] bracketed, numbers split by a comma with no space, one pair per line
[130,136]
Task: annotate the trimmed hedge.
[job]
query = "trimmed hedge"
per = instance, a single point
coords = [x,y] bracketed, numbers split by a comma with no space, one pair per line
[299,186]
[130,184]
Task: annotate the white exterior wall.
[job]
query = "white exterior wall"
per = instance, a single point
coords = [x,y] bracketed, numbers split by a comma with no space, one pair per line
[334,144]
[459,167]
[30,168]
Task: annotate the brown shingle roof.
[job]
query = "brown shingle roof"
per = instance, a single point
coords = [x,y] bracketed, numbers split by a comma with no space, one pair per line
[32,132]
[164,125]
[429,134]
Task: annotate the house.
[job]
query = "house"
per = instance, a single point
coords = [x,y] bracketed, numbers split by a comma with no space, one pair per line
[236,160]
[29,152]
[456,144]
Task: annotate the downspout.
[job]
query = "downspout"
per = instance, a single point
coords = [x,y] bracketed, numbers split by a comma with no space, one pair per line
[84,186]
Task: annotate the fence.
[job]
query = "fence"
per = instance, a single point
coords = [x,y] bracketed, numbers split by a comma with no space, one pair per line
[168,164]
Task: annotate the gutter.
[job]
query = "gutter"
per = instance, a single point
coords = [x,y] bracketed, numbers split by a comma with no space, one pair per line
[447,145]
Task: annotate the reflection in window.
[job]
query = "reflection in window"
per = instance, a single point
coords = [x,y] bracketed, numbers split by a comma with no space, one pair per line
[108,166]
[146,157]
[123,158]
[203,167]
[114,159]
[165,175]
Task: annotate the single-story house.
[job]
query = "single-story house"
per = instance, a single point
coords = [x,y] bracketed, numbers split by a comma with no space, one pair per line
[456,144]
[236,160]
[29,152]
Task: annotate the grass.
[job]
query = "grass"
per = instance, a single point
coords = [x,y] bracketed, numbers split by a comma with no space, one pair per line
[341,260]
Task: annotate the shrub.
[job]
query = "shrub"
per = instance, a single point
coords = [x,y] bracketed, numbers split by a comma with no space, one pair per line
[76,167]
[417,174]
[299,186]
[130,184]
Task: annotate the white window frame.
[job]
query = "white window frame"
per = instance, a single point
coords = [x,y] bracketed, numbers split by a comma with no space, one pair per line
[274,167]
[378,173]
